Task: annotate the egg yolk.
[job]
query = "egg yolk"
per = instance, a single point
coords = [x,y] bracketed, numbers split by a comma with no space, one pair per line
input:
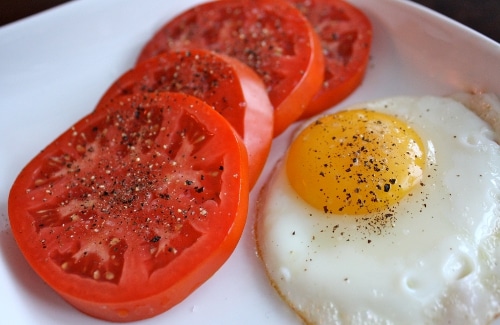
[355,162]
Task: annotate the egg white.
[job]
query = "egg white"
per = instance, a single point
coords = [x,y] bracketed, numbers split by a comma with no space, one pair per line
[436,260]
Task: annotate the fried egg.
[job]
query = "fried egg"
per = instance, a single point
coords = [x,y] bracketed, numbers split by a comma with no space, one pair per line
[387,212]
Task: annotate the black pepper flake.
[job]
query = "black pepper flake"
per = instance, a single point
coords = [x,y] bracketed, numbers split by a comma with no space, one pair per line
[164,196]
[155,239]
[387,187]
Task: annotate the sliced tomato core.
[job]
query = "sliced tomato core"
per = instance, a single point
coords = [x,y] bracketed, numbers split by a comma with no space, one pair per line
[135,205]
[271,36]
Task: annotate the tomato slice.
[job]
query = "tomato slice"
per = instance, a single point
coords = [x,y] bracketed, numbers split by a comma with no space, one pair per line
[231,87]
[346,37]
[271,36]
[135,206]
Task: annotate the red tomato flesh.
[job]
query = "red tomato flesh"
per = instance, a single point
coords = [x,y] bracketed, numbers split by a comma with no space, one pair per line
[135,206]
[231,87]
[271,36]
[346,37]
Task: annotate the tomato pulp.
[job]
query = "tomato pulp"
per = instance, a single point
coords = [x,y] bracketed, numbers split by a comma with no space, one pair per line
[231,87]
[270,36]
[135,206]
[346,37]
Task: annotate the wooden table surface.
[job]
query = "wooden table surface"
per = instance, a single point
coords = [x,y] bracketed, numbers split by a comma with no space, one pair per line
[481,15]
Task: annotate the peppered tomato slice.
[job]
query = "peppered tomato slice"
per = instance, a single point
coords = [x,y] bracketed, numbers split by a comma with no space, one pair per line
[271,36]
[231,87]
[133,207]
[346,37]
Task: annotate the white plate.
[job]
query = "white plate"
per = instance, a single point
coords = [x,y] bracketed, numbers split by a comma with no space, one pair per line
[54,67]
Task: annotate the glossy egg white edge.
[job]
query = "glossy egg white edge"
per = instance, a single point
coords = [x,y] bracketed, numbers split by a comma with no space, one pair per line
[435,262]
[55,66]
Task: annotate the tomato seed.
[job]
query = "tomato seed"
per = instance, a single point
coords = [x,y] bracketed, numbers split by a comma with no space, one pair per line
[109,275]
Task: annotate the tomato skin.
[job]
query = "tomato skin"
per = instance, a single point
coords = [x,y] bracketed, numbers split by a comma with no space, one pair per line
[346,37]
[135,206]
[271,36]
[231,87]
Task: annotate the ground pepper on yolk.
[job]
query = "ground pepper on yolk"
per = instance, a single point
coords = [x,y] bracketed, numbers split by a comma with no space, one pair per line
[355,162]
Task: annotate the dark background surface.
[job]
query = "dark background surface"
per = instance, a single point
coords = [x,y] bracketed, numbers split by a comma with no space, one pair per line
[481,15]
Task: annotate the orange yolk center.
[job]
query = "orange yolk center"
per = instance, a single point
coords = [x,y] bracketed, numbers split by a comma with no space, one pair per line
[355,162]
